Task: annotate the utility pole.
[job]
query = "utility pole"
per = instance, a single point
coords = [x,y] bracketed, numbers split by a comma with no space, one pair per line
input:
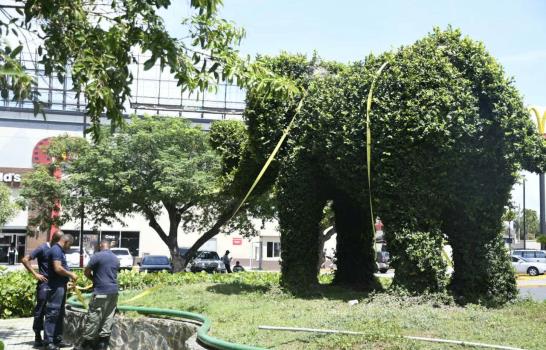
[541,126]
[82,210]
[542,209]
[524,218]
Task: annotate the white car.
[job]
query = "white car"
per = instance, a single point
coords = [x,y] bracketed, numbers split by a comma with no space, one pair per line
[532,268]
[73,257]
[124,256]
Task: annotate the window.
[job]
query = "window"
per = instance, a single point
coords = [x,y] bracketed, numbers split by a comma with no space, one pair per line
[514,259]
[541,255]
[155,260]
[273,249]
[528,254]
[208,256]
[131,241]
[120,252]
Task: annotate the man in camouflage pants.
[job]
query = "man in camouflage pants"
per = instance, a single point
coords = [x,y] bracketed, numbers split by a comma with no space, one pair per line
[103,270]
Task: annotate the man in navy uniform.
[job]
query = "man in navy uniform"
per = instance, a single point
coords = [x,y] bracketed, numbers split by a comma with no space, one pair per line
[40,254]
[58,276]
[103,270]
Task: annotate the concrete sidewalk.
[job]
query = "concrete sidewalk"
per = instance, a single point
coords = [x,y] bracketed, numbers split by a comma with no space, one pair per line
[17,333]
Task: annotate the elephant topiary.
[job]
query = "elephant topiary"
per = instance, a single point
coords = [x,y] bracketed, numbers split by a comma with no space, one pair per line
[450,132]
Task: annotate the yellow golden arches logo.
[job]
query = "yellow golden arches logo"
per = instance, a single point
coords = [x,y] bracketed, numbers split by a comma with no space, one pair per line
[541,121]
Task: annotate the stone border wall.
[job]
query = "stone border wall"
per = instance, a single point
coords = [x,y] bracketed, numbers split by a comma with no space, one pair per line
[138,333]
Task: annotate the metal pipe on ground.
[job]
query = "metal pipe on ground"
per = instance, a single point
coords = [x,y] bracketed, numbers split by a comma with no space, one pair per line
[433,340]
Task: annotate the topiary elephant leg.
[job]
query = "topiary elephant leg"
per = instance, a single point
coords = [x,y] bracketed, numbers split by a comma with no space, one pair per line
[300,212]
[483,272]
[355,258]
[416,257]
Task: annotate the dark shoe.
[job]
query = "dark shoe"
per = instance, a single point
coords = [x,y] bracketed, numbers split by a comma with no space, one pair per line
[51,347]
[103,343]
[64,344]
[85,345]
[38,342]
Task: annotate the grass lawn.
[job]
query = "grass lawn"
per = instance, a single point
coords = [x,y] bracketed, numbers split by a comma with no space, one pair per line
[237,309]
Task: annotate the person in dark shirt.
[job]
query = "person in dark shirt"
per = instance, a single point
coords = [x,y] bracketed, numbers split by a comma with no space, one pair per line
[227,261]
[103,270]
[58,276]
[40,254]
[11,254]
[238,267]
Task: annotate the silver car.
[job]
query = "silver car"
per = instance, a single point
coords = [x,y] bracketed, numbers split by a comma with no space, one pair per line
[207,261]
[532,268]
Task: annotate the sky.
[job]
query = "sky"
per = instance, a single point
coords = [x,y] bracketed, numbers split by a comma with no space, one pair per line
[514,31]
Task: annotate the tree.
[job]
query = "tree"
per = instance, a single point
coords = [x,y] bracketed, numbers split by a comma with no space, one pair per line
[7,208]
[151,166]
[154,166]
[42,191]
[531,223]
[95,41]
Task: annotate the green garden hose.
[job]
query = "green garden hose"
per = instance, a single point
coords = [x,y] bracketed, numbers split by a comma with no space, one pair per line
[202,332]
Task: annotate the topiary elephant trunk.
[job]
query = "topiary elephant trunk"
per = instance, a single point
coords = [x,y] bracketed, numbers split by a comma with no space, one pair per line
[449,134]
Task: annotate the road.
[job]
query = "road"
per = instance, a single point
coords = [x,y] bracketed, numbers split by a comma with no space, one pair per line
[532,287]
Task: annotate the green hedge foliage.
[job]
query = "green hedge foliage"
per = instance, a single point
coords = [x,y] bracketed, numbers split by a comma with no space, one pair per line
[18,288]
[449,134]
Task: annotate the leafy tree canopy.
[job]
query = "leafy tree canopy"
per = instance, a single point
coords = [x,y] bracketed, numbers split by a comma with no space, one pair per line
[7,208]
[95,41]
[152,166]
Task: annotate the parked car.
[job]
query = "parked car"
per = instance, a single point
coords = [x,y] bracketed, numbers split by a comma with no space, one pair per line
[124,256]
[531,255]
[182,251]
[383,261]
[532,268]
[155,263]
[73,257]
[207,261]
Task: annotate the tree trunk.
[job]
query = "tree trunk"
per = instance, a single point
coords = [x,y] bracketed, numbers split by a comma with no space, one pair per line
[177,260]
[222,220]
[171,240]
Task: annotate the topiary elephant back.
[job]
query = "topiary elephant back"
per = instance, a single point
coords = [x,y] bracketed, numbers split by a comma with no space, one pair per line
[449,134]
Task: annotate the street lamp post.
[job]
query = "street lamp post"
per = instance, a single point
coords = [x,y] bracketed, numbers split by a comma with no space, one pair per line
[82,209]
[524,218]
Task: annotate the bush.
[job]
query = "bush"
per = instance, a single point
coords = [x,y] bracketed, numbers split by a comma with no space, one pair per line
[1,345]
[17,289]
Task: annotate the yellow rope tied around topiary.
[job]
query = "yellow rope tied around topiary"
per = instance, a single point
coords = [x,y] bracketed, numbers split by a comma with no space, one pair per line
[369,142]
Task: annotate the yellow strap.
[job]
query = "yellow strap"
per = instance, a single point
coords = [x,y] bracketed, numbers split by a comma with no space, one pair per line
[271,157]
[144,293]
[369,142]
[77,290]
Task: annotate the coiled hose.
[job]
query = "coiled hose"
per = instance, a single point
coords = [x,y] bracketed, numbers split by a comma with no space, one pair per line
[202,331]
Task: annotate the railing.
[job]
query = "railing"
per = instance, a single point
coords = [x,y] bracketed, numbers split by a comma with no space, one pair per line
[153,92]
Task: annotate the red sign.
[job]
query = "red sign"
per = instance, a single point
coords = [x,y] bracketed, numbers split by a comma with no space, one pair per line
[237,241]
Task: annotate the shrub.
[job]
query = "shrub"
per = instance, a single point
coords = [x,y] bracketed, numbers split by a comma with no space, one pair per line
[1,345]
[17,289]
